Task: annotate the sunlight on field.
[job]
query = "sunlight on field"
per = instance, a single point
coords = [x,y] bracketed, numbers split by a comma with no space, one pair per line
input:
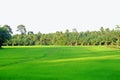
[87,58]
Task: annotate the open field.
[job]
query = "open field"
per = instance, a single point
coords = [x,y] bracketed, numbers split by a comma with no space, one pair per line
[59,63]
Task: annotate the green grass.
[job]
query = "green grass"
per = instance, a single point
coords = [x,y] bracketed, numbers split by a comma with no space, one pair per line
[59,63]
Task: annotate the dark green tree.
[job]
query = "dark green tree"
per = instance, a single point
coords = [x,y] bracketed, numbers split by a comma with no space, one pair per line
[4,35]
[22,29]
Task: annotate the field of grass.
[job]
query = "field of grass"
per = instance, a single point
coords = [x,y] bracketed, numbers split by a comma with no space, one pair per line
[59,63]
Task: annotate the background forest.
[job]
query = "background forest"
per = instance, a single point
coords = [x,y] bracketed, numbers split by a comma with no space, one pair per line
[104,36]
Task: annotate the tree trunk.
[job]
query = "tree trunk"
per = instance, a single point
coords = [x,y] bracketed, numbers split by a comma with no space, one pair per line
[0,45]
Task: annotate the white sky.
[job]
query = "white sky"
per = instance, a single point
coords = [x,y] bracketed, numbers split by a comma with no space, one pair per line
[58,15]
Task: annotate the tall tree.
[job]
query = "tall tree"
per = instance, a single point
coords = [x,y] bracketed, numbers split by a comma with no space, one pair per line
[4,35]
[22,29]
[8,28]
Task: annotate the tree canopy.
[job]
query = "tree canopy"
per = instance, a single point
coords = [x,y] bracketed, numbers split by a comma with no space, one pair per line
[4,34]
[104,36]
[22,29]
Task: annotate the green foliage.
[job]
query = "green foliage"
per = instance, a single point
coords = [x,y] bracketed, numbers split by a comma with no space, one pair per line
[4,35]
[104,36]
[22,29]
[8,28]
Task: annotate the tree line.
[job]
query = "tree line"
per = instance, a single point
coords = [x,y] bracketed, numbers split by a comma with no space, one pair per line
[104,36]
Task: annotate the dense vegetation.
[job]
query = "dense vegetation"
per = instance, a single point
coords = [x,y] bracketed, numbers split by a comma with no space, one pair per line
[5,34]
[59,63]
[104,36]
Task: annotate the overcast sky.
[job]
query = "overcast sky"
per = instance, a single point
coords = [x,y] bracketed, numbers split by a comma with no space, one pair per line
[58,15]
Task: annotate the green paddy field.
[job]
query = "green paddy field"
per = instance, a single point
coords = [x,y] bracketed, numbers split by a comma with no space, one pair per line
[59,63]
